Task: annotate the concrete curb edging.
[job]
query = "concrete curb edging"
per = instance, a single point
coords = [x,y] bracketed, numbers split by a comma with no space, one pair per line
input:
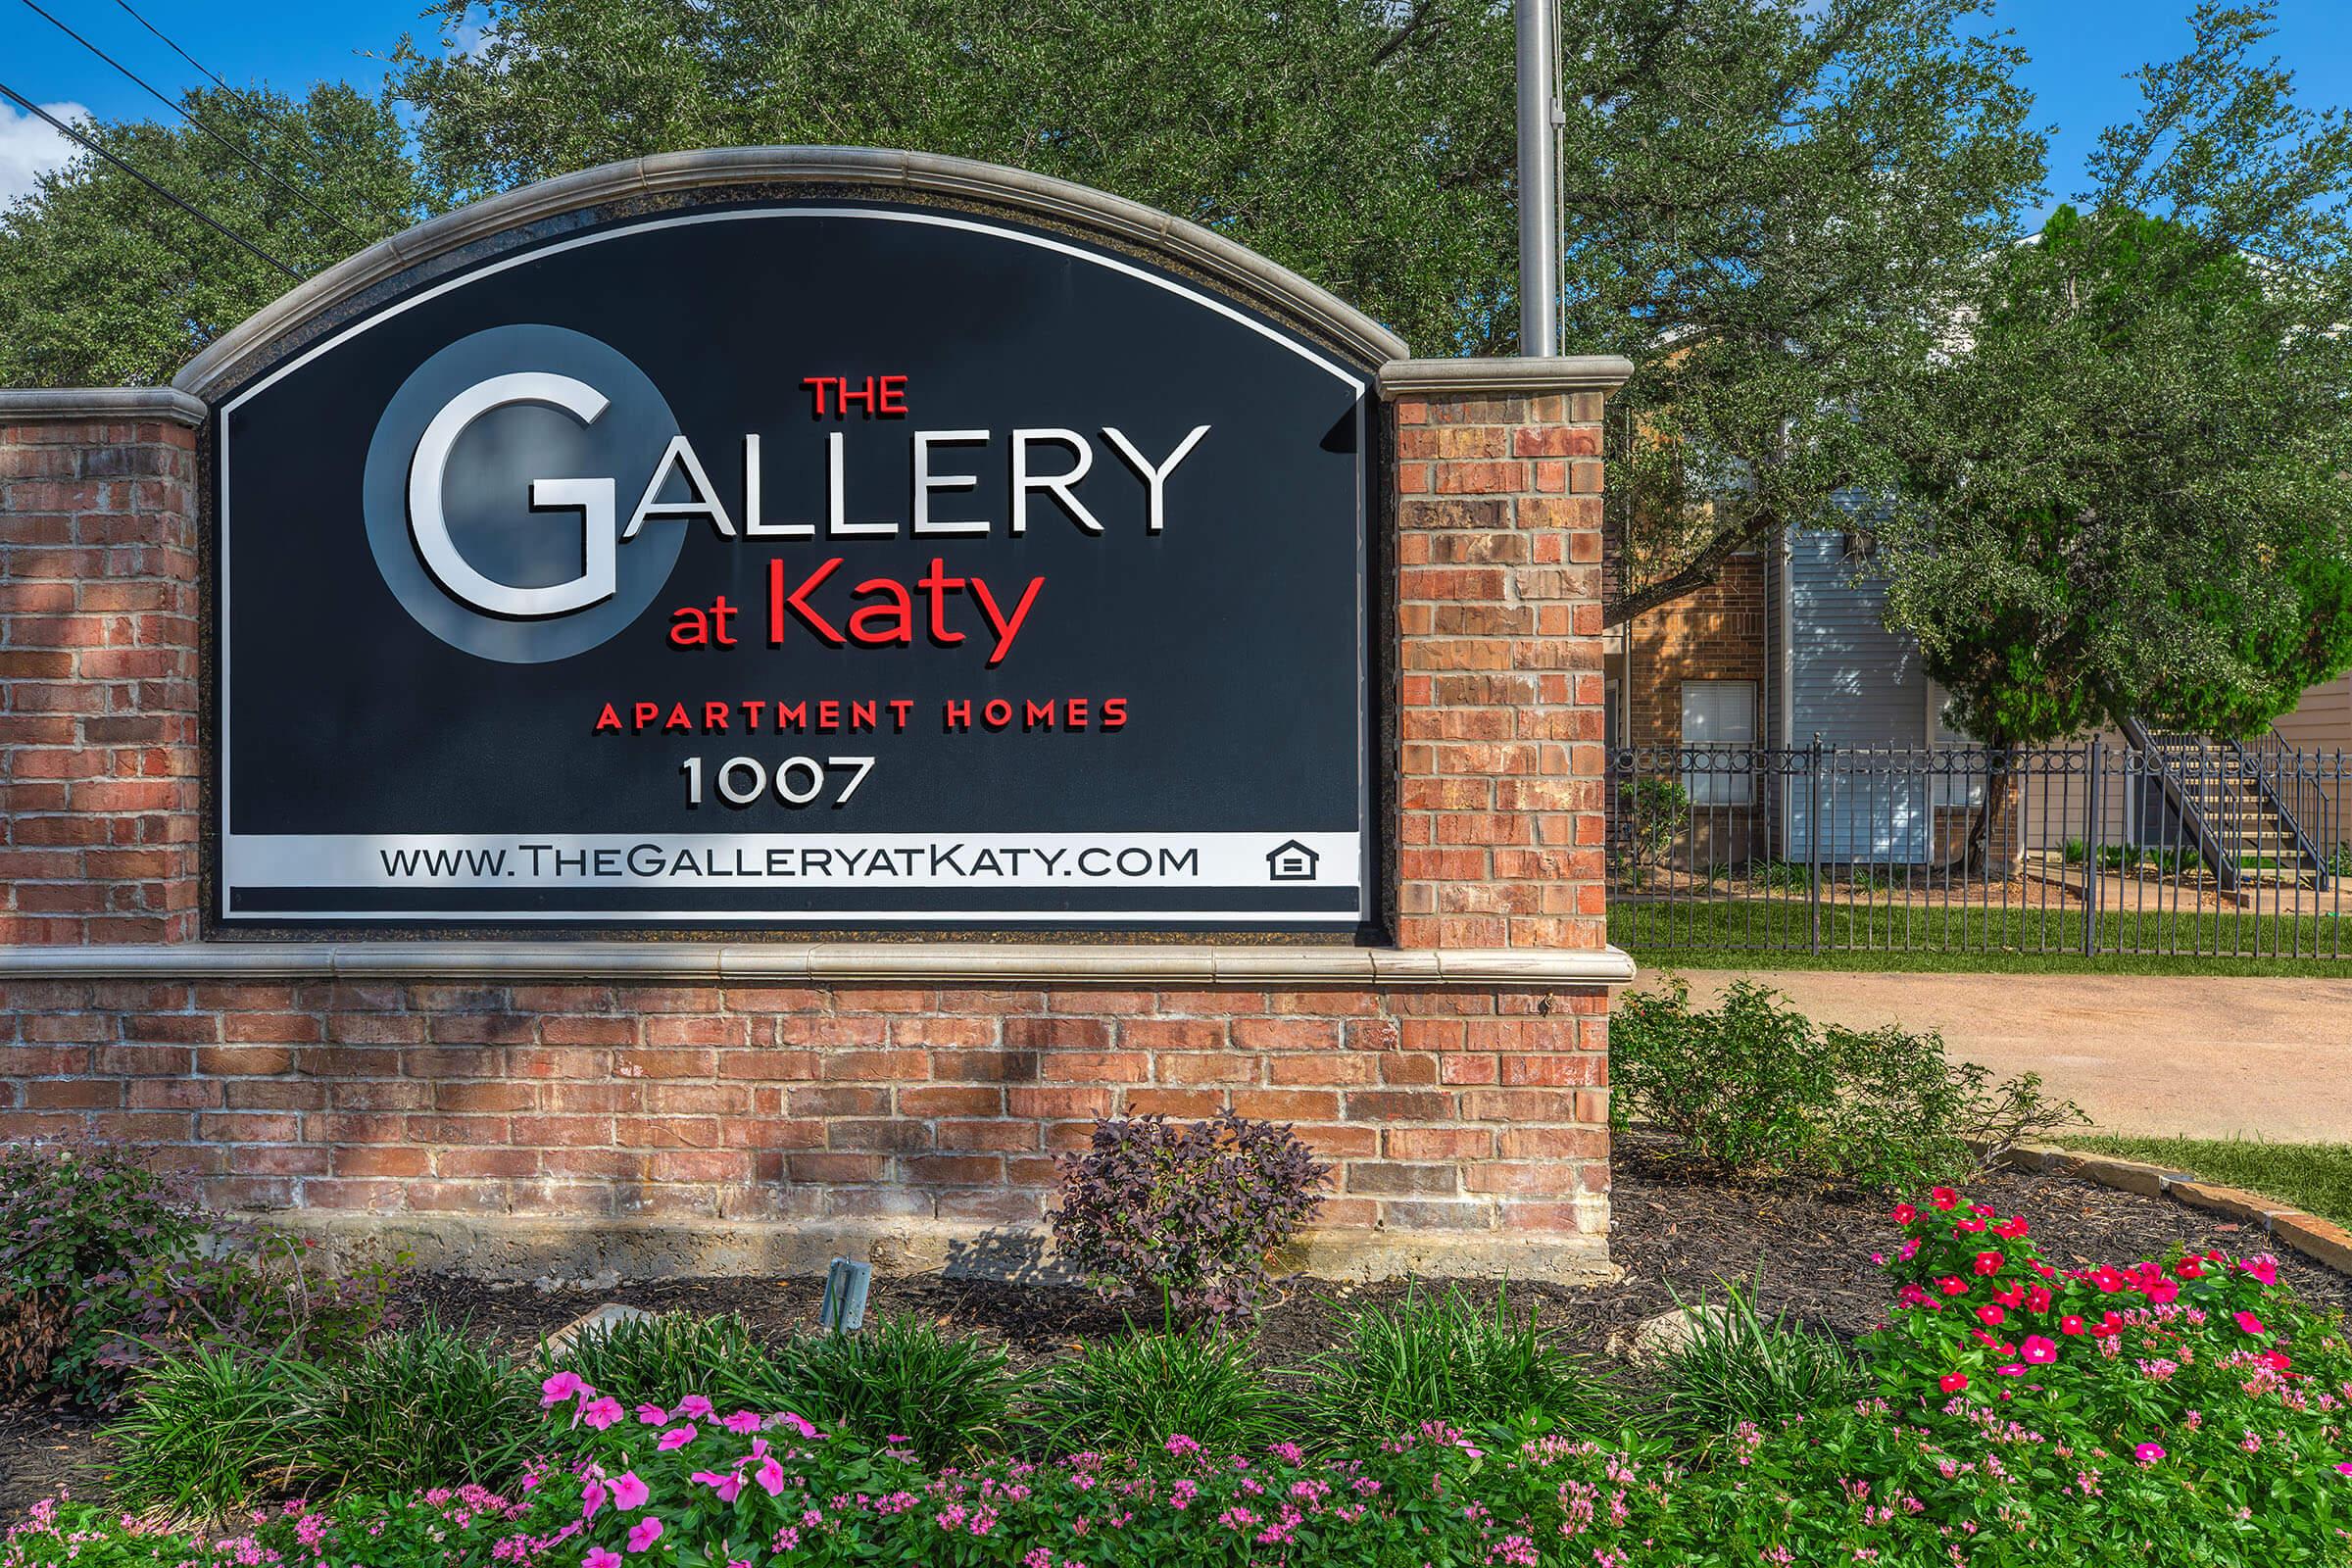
[2321,1241]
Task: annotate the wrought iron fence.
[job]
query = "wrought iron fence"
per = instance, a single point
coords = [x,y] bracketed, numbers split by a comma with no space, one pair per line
[2160,845]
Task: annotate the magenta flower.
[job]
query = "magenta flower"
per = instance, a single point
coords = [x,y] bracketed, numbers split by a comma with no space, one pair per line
[770,1476]
[800,1425]
[727,1486]
[602,1557]
[601,1413]
[2250,1322]
[2039,1350]
[695,1405]
[556,1389]
[742,1423]
[2345,1469]
[2148,1454]
[643,1532]
[628,1492]
[592,1497]
[675,1438]
[651,1415]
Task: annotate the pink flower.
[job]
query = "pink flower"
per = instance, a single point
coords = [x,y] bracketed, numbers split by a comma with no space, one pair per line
[2345,1469]
[562,1386]
[2250,1322]
[601,1413]
[643,1532]
[695,1405]
[2040,1351]
[602,1557]
[628,1492]
[2264,1268]
[2148,1454]
[651,1415]
[800,1425]
[727,1486]
[674,1437]
[770,1476]
[742,1423]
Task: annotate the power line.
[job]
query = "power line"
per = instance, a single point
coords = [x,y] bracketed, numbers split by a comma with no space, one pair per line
[197,212]
[252,108]
[257,167]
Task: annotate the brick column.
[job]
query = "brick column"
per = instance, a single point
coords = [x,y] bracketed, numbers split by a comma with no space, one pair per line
[1499,722]
[99,751]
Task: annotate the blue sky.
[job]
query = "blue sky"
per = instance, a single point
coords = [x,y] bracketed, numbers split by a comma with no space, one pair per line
[2081,48]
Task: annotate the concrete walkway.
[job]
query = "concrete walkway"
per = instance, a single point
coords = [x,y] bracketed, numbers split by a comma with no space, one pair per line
[2192,1057]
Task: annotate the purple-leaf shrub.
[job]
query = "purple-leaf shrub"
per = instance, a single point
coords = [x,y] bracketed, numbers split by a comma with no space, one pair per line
[1189,1210]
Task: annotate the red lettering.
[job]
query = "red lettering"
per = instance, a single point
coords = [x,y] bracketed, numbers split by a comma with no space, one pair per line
[1115,712]
[864,395]
[902,710]
[828,715]
[715,717]
[878,625]
[677,720]
[1007,630]
[1076,709]
[797,601]
[792,716]
[819,383]
[1034,714]
[996,714]
[646,714]
[894,395]
[958,714]
[861,715]
[751,707]
[608,719]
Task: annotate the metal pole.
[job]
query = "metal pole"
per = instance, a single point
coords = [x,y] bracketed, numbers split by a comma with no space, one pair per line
[2094,845]
[1538,181]
[1813,845]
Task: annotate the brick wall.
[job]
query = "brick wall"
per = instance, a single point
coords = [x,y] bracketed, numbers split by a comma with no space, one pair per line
[1714,633]
[98,679]
[1501,692]
[657,1126]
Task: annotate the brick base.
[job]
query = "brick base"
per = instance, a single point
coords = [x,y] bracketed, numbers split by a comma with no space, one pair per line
[521,1129]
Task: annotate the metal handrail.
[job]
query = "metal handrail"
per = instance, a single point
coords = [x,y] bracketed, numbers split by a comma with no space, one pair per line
[2209,845]
[2254,771]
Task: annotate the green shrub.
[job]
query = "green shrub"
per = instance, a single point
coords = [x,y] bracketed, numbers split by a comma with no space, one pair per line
[661,1359]
[78,1225]
[1126,1395]
[1441,1358]
[414,1407]
[1737,1368]
[207,1429]
[1188,1212]
[1650,814]
[902,1379]
[1755,1088]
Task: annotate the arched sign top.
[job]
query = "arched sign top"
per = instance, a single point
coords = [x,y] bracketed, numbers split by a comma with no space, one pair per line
[796,540]
[530,215]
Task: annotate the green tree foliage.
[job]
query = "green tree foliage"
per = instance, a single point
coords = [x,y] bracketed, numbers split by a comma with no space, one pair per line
[1366,145]
[2124,493]
[1770,204]
[102,282]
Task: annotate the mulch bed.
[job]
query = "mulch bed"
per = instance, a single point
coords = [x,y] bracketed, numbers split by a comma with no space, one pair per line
[1805,1253]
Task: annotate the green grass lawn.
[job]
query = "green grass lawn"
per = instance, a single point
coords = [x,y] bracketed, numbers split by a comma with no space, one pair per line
[1775,935]
[2314,1177]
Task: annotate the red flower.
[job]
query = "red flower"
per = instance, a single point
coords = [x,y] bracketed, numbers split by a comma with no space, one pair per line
[1943,1197]
[1968,1227]
[1904,1214]
[1990,1315]
[1989,1263]
[1953,1381]
[2108,1280]
[2109,1327]
[2069,1324]
[2038,1299]
[2161,1292]
[1952,1285]
[2040,1351]
[2188,1269]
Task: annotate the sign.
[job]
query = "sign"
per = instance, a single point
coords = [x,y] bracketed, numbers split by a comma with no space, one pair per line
[812,564]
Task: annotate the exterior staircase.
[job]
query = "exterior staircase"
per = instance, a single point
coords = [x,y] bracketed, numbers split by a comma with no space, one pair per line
[2236,801]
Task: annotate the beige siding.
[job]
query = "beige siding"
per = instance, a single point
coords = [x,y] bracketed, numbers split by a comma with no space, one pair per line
[2323,723]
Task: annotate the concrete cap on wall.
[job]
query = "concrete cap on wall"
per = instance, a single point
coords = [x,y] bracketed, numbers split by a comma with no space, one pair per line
[43,405]
[1520,376]
[235,357]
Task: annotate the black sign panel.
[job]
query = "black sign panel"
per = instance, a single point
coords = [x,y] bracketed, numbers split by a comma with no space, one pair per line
[814,564]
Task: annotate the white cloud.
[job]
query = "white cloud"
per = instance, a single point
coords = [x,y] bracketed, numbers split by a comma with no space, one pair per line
[29,148]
